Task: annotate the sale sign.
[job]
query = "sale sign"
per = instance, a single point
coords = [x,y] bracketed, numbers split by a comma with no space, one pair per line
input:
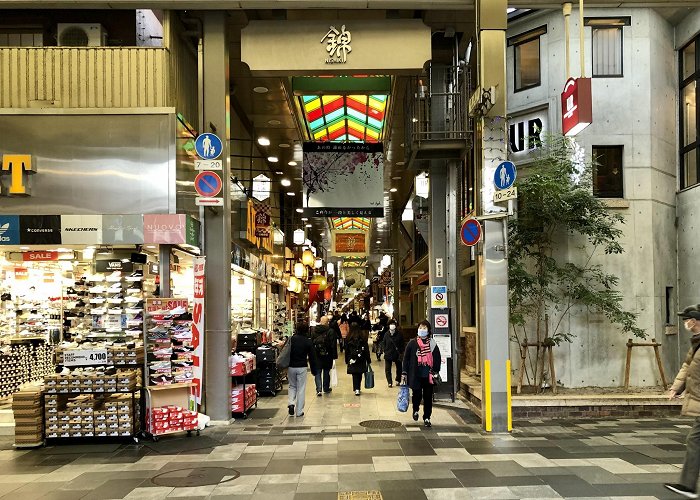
[198,328]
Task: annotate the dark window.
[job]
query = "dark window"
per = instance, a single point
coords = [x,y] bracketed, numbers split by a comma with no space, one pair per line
[607,171]
[21,37]
[607,45]
[526,57]
[689,72]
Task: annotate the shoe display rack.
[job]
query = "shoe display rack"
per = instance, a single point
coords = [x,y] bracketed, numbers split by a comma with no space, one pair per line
[168,341]
[244,391]
[8,320]
[269,377]
[76,311]
[167,410]
[116,305]
[26,360]
[38,319]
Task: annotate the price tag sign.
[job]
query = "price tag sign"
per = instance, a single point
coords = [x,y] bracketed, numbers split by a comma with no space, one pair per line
[85,357]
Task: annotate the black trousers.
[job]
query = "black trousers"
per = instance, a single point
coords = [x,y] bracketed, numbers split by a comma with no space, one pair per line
[356,381]
[387,370]
[424,392]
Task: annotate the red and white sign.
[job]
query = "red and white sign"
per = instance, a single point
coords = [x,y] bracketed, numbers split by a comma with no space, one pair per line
[576,106]
[198,328]
[21,273]
[39,256]
[442,320]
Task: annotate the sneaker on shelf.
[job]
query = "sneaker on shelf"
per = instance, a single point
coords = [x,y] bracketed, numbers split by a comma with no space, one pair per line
[134,322]
[135,276]
[183,335]
[133,290]
[116,287]
[114,329]
[97,289]
[115,310]
[185,317]
[97,300]
[158,329]
[99,310]
[183,377]
[183,349]
[114,276]
[132,299]
[157,312]
[80,303]
[182,363]
[164,351]
[681,490]
[134,331]
[178,310]
[116,299]
[137,312]
[161,380]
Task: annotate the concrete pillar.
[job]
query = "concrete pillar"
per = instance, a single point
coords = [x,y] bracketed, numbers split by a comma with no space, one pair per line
[217,223]
[437,246]
[164,269]
[493,263]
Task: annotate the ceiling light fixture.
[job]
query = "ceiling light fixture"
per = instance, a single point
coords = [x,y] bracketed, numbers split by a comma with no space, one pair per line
[283,145]
[291,193]
[393,190]
[292,164]
[286,182]
[304,218]
[273,159]
[300,210]
[263,141]
[279,172]
[273,122]
[308,225]
[261,90]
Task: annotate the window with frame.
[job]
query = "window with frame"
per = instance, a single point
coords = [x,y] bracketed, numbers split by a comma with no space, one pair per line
[526,58]
[607,172]
[21,36]
[607,39]
[689,72]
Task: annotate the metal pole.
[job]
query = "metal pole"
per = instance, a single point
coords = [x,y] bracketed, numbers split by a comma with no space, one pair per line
[453,168]
[581,36]
[217,223]
[566,8]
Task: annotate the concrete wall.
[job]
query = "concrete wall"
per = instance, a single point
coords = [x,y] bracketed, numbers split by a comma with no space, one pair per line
[637,112]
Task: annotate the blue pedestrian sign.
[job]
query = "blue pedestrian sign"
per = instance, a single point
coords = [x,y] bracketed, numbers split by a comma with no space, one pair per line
[208,146]
[504,176]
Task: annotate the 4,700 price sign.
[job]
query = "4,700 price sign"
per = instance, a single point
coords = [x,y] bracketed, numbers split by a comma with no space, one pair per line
[85,357]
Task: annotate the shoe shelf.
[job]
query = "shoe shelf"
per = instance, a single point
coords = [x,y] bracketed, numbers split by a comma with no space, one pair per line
[243,369]
[168,341]
[116,305]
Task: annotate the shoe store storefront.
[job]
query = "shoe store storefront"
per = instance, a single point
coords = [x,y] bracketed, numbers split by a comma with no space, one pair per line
[87,228]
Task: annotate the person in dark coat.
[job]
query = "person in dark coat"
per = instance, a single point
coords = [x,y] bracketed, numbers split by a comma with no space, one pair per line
[301,356]
[393,347]
[326,350]
[381,328]
[420,361]
[357,355]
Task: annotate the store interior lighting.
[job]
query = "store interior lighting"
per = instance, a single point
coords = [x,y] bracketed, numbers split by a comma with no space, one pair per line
[263,141]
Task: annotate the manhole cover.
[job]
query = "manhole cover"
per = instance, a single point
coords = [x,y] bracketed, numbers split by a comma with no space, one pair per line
[198,476]
[360,495]
[380,424]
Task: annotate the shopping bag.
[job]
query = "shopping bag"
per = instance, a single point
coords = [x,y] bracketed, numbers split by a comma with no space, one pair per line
[285,355]
[369,378]
[334,376]
[402,401]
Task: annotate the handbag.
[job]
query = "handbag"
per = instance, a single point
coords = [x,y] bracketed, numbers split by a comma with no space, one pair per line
[334,375]
[402,401]
[285,355]
[437,379]
[369,378]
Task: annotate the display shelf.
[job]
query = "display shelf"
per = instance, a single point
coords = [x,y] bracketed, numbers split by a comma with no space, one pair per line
[161,400]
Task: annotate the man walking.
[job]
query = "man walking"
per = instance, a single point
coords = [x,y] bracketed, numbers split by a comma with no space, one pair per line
[688,381]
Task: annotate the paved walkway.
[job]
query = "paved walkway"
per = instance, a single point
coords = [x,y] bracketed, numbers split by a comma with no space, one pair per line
[326,452]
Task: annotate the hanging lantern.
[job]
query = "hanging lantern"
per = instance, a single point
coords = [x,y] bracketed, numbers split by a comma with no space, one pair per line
[386,261]
[307,258]
[318,264]
[299,270]
[320,281]
[299,286]
[299,237]
[292,284]
[330,269]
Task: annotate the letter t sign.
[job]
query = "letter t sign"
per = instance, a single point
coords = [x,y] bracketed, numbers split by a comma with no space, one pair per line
[17,165]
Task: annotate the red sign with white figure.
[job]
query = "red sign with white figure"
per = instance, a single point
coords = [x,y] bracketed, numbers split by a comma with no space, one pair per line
[576,106]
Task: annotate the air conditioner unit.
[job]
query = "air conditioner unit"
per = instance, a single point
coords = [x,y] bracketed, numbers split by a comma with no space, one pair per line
[81,35]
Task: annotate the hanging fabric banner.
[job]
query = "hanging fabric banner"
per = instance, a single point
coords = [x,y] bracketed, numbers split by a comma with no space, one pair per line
[198,328]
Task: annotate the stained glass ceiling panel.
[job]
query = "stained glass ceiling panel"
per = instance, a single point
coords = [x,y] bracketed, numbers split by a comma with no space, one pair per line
[345,117]
[361,223]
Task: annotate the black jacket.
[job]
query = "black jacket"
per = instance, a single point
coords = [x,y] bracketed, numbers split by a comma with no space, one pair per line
[410,362]
[326,362]
[393,345]
[358,350]
[302,352]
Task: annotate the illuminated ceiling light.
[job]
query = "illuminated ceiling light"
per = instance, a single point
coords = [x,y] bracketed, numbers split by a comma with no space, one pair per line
[400,163]
[308,225]
[261,90]
[263,141]
[273,122]
[386,260]
[292,164]
[283,145]
[300,210]
[279,172]
[304,219]
[379,241]
[393,190]
[273,159]
[318,264]
[397,178]
[291,193]
[286,182]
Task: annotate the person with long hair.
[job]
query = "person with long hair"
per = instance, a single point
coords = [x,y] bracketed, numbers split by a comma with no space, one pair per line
[357,355]
[421,361]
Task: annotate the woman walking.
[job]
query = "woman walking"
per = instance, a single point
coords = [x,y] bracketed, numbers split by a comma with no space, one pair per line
[302,355]
[393,348]
[420,361]
[344,327]
[357,356]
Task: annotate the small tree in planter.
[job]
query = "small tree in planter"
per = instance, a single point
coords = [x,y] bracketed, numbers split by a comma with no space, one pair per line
[555,203]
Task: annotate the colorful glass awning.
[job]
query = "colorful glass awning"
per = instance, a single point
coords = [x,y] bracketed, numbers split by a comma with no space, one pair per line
[345,117]
[345,223]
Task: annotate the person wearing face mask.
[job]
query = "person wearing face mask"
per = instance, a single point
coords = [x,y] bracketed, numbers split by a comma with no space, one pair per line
[393,347]
[421,360]
[688,382]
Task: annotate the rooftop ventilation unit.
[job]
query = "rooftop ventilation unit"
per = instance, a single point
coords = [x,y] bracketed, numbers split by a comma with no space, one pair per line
[81,35]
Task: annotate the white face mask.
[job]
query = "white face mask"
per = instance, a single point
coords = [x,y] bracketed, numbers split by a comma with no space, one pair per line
[392,328]
[423,332]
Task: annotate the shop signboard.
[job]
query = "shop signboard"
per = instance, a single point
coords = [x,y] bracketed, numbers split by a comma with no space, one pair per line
[198,327]
[110,265]
[81,229]
[83,357]
[192,230]
[350,243]
[526,131]
[166,229]
[122,229]
[18,168]
[40,229]
[576,106]
[262,224]
[9,230]
[343,179]
[39,256]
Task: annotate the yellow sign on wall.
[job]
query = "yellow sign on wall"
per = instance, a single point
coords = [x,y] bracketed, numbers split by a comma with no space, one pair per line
[18,167]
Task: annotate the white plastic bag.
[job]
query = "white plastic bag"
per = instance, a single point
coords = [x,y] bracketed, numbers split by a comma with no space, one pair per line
[334,376]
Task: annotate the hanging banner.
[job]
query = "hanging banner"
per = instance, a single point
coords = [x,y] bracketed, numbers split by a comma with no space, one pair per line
[198,328]
[343,179]
[262,220]
[350,243]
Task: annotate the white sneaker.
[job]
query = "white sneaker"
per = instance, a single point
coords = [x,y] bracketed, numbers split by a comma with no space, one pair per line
[357,393]
[178,310]
[97,289]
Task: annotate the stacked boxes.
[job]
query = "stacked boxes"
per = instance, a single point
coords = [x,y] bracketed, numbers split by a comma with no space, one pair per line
[166,419]
[90,415]
[242,398]
[27,409]
[242,363]
[96,381]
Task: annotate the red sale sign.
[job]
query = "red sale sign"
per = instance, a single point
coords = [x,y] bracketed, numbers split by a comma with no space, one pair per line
[576,106]
[198,328]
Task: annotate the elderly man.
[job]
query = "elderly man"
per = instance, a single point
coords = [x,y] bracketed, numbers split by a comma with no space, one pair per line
[688,381]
